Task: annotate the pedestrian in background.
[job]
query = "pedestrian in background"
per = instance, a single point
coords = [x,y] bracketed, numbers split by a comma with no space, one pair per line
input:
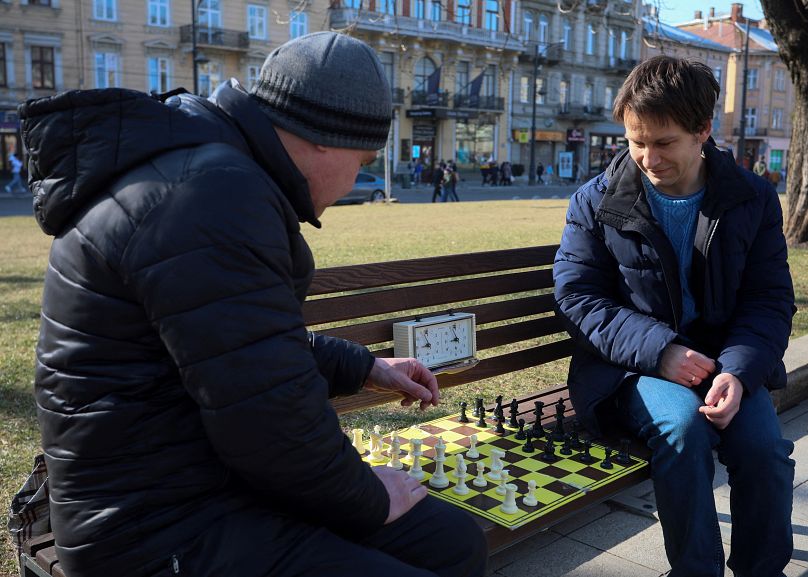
[437,182]
[539,172]
[16,178]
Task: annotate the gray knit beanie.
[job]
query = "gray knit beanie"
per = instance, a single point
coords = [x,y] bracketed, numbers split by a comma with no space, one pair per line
[329,89]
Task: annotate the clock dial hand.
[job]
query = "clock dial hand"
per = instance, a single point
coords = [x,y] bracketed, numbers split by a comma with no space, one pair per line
[456,339]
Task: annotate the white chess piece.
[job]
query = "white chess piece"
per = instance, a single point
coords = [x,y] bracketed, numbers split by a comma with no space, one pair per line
[459,463]
[439,480]
[358,443]
[529,500]
[503,482]
[479,480]
[416,470]
[473,453]
[395,451]
[509,505]
[440,449]
[460,488]
[496,464]
[376,445]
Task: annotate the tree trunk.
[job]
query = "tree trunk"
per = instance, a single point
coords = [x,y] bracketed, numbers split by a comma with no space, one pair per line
[788,22]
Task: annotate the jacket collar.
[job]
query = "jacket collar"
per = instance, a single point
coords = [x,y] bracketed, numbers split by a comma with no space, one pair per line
[624,199]
[266,147]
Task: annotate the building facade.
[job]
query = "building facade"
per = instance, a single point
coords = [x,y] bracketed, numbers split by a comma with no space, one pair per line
[769,91]
[472,80]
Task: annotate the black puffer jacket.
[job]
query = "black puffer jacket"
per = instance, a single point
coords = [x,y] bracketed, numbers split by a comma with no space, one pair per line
[175,380]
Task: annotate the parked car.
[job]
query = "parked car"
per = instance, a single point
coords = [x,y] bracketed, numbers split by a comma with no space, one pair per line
[368,188]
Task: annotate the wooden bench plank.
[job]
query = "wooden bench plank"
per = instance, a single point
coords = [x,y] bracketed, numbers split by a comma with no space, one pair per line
[46,558]
[351,277]
[355,306]
[33,545]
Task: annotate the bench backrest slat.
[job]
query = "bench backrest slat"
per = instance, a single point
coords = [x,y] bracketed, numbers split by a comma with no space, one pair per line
[352,277]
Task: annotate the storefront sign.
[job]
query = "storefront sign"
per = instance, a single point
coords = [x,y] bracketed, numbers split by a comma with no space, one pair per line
[423,131]
[421,113]
[575,135]
[522,135]
[565,164]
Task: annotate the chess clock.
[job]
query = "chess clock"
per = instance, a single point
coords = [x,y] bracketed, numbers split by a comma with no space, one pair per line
[445,343]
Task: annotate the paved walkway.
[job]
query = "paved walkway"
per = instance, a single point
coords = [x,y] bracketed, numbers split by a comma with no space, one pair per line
[623,538]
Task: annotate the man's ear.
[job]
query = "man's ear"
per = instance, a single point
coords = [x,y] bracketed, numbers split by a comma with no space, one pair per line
[706,131]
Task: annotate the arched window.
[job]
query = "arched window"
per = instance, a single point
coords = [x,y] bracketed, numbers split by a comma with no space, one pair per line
[423,69]
[567,34]
[527,24]
[544,29]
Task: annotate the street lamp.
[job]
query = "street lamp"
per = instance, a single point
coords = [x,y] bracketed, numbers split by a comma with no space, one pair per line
[531,177]
[742,136]
[196,57]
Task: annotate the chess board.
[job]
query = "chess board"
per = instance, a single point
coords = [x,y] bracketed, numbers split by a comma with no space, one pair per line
[557,483]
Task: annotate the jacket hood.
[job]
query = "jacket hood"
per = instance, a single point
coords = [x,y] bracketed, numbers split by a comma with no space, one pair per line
[80,141]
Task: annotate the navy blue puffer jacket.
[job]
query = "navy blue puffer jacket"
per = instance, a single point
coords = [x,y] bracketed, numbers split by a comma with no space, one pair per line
[617,282]
[176,383]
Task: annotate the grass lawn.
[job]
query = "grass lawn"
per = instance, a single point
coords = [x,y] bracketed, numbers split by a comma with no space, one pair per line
[350,234]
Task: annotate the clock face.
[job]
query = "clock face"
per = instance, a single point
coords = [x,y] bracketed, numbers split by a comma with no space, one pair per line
[442,343]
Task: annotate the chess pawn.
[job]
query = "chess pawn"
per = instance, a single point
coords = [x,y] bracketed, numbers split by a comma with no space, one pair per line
[509,505]
[460,488]
[473,453]
[416,471]
[440,449]
[503,482]
[358,443]
[530,500]
[479,480]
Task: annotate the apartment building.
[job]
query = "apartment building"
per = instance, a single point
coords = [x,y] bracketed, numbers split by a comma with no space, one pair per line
[769,91]
[462,71]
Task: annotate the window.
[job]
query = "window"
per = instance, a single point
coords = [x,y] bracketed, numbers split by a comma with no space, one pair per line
[752,79]
[39,2]
[608,98]
[491,15]
[386,59]
[544,29]
[524,89]
[779,79]
[591,40]
[257,21]
[751,119]
[434,10]
[420,9]
[611,40]
[717,75]
[423,70]
[42,67]
[386,6]
[159,74]
[463,15]
[355,4]
[253,74]
[623,45]
[563,95]
[527,24]
[589,91]
[567,34]
[106,70]
[209,13]
[489,87]
[104,9]
[3,77]
[462,78]
[777,118]
[158,12]
[298,24]
[210,76]
[775,160]
[540,91]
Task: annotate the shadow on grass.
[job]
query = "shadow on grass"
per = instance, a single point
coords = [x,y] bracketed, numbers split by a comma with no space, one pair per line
[17,403]
[21,280]
[20,312]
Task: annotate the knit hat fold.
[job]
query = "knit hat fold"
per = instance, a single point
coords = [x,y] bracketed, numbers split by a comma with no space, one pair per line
[329,89]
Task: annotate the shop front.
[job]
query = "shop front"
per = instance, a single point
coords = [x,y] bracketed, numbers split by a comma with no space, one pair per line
[602,149]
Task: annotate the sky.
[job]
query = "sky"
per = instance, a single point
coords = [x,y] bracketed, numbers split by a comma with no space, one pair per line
[675,11]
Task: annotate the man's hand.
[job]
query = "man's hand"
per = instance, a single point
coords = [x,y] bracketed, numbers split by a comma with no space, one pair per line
[723,400]
[685,366]
[404,491]
[407,377]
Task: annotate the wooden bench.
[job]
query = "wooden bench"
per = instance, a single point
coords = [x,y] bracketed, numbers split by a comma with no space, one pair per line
[510,292]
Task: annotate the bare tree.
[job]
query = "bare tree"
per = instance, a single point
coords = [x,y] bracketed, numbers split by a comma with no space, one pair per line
[788,22]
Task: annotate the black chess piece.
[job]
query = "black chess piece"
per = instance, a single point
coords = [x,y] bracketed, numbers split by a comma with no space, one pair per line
[498,407]
[567,448]
[481,420]
[548,455]
[500,430]
[463,418]
[512,423]
[520,434]
[558,431]
[538,432]
[528,446]
[606,463]
[586,457]
[623,457]
[575,440]
[478,403]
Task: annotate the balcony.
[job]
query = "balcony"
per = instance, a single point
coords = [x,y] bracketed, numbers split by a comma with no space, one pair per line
[552,53]
[624,65]
[750,131]
[207,37]
[496,103]
[442,30]
[578,112]
[421,98]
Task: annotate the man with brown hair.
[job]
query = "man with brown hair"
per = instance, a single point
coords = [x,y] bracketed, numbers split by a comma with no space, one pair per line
[672,279]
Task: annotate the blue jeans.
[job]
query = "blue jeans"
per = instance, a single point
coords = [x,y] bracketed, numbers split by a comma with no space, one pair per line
[761,477]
